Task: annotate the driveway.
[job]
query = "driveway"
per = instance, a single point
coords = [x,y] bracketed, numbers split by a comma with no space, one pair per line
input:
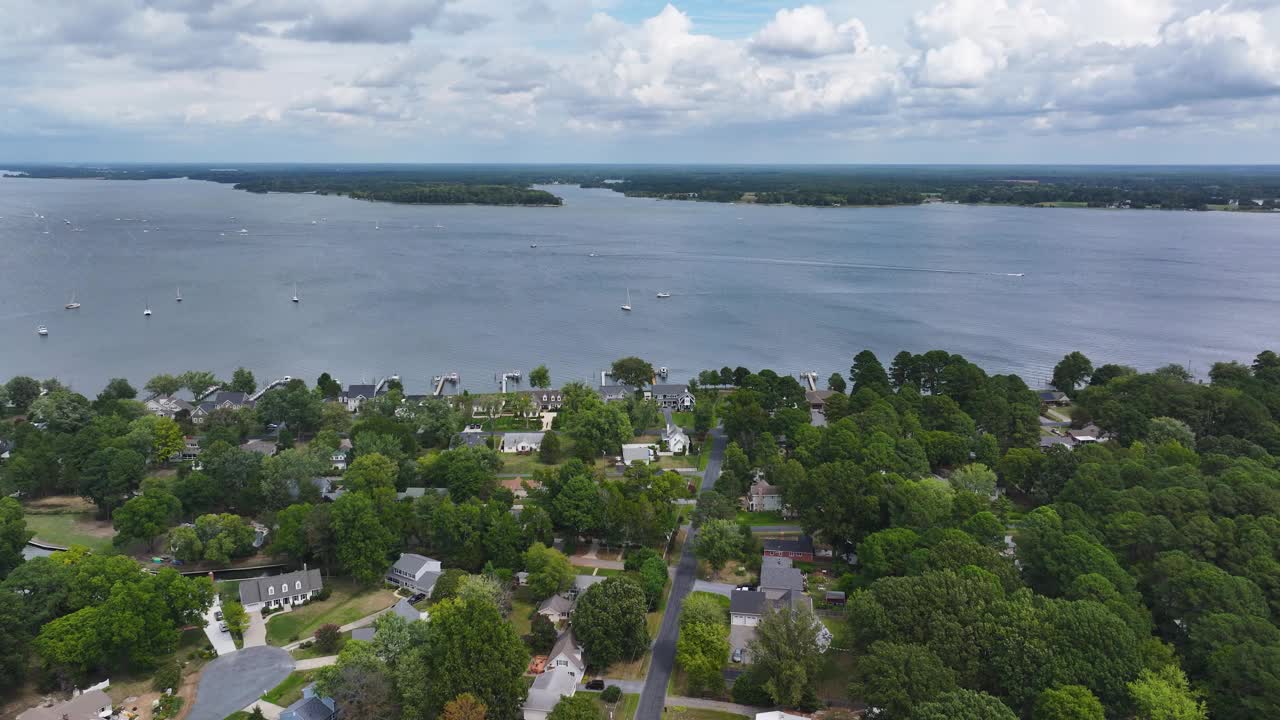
[654,695]
[256,634]
[222,642]
[725,589]
[232,682]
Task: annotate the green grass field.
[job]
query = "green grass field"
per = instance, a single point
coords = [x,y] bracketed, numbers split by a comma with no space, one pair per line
[289,690]
[71,529]
[624,709]
[676,712]
[347,602]
[519,617]
[761,518]
[314,652]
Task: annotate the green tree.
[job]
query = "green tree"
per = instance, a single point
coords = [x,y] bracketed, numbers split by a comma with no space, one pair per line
[867,373]
[464,707]
[975,478]
[540,377]
[22,391]
[145,517]
[713,505]
[464,635]
[13,535]
[117,389]
[609,621]
[1164,695]
[109,476]
[653,578]
[598,430]
[163,384]
[542,634]
[576,707]
[898,677]
[701,651]
[15,638]
[549,571]
[293,405]
[578,505]
[327,637]
[242,380]
[185,544]
[1161,430]
[371,474]
[963,705]
[327,387]
[62,411]
[1067,702]
[632,371]
[786,651]
[198,382]
[836,383]
[1072,370]
[234,615]
[549,450]
[363,541]
[718,542]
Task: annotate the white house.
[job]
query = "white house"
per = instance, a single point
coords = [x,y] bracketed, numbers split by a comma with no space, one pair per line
[340,456]
[677,441]
[556,608]
[356,395]
[560,679]
[632,452]
[167,406]
[763,497]
[293,588]
[521,442]
[415,572]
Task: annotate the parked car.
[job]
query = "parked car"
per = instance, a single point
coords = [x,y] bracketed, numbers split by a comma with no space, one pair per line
[223,627]
[595,684]
[217,615]
[737,655]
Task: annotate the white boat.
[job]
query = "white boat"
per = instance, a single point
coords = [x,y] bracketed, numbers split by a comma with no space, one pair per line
[664,294]
[295,292]
[178,298]
[627,307]
[74,304]
[66,221]
[592,255]
[243,231]
[533,245]
[42,330]
[439,226]
[146,309]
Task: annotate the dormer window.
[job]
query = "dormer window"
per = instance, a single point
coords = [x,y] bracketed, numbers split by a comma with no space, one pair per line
[297,585]
[284,588]
[271,590]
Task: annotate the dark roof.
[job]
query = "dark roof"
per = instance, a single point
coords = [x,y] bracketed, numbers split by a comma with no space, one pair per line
[254,590]
[311,708]
[365,390]
[747,602]
[1051,395]
[231,396]
[472,439]
[669,389]
[411,563]
[362,633]
[802,544]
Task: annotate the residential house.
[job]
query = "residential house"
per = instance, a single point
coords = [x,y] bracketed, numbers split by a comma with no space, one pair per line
[556,608]
[312,706]
[522,443]
[746,607]
[522,578]
[88,705]
[614,393]
[356,395]
[564,669]
[633,452]
[778,577]
[286,590]
[671,397]
[677,442]
[817,399]
[473,436]
[781,587]
[1055,398]
[415,572]
[260,446]
[1087,434]
[168,406]
[517,486]
[763,497]
[779,715]
[190,450]
[340,457]
[544,400]
[6,447]
[582,582]
[800,548]
[228,399]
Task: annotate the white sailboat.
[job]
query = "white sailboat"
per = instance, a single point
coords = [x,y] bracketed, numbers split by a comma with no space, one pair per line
[42,330]
[74,304]
[146,311]
[627,307]
[178,298]
[295,292]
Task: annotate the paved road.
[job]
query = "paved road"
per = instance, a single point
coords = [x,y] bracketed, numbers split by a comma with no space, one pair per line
[222,642]
[232,682]
[256,634]
[654,695]
[313,663]
[725,589]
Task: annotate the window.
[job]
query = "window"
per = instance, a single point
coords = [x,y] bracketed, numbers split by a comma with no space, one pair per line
[284,588]
[297,585]
[271,590]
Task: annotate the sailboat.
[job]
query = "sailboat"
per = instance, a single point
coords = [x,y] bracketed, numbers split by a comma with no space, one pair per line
[627,307]
[74,304]
[179,296]
[146,309]
[295,292]
[42,330]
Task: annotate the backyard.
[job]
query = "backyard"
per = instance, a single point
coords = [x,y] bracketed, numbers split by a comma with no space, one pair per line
[347,602]
[67,521]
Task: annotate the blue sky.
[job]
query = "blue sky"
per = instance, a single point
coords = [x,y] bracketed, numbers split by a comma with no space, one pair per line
[1035,81]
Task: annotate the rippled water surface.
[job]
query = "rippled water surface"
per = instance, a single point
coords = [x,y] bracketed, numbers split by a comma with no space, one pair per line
[385,290]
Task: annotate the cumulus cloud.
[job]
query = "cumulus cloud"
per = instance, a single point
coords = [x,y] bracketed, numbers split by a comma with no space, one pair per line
[387,21]
[808,32]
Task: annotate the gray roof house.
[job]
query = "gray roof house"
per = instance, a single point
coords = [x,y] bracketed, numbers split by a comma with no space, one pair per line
[560,679]
[292,588]
[673,397]
[521,442]
[556,608]
[311,707]
[582,582]
[777,576]
[415,572]
[88,705]
[611,393]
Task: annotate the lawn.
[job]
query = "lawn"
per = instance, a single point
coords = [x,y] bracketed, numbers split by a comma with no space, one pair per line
[760,518]
[69,528]
[675,712]
[513,464]
[239,715]
[314,652]
[289,690]
[683,419]
[347,602]
[519,617]
[624,709]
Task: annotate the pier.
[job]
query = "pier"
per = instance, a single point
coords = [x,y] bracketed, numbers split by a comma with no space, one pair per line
[513,375]
[810,378]
[273,384]
[439,381]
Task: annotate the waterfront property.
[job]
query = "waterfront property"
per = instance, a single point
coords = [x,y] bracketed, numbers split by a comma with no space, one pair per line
[168,406]
[356,395]
[295,588]
[224,399]
[671,397]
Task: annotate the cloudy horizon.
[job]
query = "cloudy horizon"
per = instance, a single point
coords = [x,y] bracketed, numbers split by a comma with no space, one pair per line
[847,81]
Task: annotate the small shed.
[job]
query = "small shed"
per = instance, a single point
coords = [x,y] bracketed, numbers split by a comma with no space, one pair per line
[834,597]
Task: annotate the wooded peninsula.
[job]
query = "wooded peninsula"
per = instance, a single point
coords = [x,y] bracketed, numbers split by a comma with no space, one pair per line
[1234,188]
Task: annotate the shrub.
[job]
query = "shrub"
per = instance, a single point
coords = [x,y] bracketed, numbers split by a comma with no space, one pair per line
[749,689]
[611,694]
[168,676]
[327,637]
[323,594]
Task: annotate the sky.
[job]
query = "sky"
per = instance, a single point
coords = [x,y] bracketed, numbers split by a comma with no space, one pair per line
[624,81]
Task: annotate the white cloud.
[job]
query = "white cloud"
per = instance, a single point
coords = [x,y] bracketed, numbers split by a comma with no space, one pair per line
[808,32]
